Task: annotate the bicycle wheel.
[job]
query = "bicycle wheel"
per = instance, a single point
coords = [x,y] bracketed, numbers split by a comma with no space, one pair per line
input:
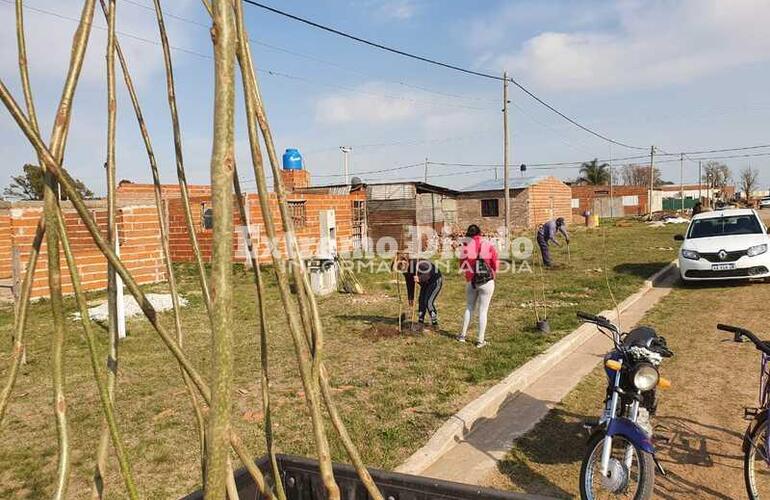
[756,467]
[635,482]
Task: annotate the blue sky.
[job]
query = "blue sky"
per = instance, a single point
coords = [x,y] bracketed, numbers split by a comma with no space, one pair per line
[684,75]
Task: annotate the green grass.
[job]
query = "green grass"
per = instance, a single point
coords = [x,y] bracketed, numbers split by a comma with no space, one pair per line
[392,392]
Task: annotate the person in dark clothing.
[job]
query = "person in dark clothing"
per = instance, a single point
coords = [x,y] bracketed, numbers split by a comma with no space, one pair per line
[546,234]
[698,208]
[428,276]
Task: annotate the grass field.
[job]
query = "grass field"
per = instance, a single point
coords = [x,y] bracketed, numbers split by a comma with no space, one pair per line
[699,427]
[393,392]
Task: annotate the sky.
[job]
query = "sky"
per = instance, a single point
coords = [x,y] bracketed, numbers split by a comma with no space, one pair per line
[687,75]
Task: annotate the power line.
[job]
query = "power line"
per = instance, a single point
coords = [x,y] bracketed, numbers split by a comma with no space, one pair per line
[441,64]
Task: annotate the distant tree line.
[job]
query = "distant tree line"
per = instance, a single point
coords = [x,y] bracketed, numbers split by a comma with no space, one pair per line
[716,175]
[31,183]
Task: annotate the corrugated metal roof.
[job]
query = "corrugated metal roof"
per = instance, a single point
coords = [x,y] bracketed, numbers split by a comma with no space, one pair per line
[497,184]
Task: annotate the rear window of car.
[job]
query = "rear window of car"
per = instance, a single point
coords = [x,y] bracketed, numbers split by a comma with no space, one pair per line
[725,226]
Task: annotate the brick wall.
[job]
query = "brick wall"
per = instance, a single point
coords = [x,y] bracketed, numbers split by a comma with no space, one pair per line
[139,236]
[308,233]
[131,192]
[587,194]
[548,199]
[469,210]
[295,179]
[6,252]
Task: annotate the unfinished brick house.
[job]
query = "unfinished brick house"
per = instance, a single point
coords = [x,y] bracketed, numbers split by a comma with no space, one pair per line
[324,220]
[392,207]
[534,200]
[137,231]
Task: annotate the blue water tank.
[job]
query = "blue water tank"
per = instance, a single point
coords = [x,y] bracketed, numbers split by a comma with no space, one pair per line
[292,160]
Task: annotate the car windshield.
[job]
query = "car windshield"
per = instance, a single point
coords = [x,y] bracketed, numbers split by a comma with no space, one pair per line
[725,226]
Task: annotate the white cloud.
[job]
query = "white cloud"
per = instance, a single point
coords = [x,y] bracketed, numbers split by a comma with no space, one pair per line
[655,43]
[398,9]
[369,104]
[51,24]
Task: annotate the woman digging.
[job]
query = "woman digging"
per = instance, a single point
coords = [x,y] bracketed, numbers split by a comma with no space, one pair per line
[479,262]
[425,273]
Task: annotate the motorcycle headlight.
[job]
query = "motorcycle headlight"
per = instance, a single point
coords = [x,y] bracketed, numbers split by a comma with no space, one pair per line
[646,377]
[690,254]
[757,250]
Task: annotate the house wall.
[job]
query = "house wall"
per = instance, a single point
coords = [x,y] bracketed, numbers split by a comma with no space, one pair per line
[585,196]
[308,234]
[469,210]
[131,192]
[6,247]
[390,209]
[548,199]
[436,211]
[139,245]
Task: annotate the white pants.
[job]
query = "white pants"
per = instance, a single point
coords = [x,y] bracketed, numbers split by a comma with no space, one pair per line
[481,295]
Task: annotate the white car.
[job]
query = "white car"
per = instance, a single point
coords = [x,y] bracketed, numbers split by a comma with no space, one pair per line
[764,202]
[725,244]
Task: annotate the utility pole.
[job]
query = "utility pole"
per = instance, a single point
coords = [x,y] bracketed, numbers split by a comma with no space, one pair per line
[345,151]
[700,181]
[426,170]
[681,178]
[652,177]
[612,197]
[505,160]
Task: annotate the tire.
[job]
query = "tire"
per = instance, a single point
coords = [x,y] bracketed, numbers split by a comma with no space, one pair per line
[753,456]
[644,466]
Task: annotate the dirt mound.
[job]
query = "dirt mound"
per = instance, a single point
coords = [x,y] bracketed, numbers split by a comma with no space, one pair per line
[380,332]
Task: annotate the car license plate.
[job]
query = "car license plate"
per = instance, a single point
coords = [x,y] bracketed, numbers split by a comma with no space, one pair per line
[722,267]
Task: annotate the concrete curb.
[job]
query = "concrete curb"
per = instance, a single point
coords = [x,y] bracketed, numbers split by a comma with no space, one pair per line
[488,404]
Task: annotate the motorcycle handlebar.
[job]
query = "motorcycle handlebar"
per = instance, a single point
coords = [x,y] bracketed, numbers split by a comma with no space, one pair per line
[742,332]
[599,320]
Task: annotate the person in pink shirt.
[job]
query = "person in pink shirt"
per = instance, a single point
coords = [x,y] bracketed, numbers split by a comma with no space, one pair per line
[479,262]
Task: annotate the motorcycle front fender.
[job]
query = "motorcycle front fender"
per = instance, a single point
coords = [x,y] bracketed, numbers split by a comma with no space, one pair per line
[632,432]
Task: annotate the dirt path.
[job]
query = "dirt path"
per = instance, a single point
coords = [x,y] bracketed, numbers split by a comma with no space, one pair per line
[700,423]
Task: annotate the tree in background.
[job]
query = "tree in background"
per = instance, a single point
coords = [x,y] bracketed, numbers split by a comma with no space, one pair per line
[639,175]
[594,174]
[29,185]
[749,178]
[717,175]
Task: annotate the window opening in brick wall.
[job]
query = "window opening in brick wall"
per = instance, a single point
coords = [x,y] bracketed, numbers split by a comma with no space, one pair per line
[359,223]
[298,213]
[490,208]
[207,217]
[630,201]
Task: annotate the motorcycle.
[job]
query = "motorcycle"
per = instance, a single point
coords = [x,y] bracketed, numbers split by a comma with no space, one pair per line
[620,458]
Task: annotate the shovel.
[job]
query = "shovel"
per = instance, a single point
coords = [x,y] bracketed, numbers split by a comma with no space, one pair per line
[415,326]
[401,313]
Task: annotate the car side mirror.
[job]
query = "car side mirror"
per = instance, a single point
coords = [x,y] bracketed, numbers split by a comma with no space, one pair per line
[679,237]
